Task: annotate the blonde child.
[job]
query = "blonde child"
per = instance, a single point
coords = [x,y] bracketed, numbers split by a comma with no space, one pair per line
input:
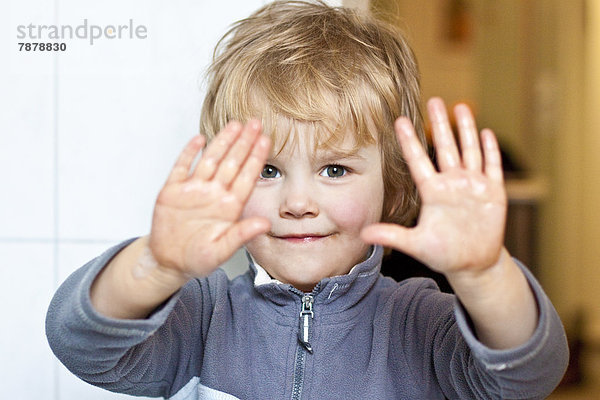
[322,172]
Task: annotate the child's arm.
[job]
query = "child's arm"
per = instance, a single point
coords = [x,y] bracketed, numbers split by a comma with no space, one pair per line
[195,226]
[461,226]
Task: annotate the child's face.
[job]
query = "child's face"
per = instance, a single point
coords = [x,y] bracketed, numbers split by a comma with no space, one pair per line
[317,203]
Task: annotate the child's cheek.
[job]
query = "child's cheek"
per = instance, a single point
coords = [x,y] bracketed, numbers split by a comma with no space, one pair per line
[255,206]
[354,213]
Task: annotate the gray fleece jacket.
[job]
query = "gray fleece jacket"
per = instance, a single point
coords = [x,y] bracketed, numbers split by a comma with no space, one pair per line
[356,336]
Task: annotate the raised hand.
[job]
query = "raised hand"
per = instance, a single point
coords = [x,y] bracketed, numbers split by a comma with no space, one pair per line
[461,223]
[196,224]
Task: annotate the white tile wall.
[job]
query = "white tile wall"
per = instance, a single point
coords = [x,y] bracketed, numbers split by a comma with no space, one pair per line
[26,130]
[27,366]
[27,162]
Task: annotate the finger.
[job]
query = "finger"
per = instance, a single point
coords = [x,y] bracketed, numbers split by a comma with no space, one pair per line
[491,154]
[216,150]
[244,183]
[182,166]
[234,160]
[469,138]
[418,162]
[390,235]
[443,139]
[241,233]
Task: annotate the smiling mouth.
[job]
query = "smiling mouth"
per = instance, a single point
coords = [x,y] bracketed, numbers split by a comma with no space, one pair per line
[301,238]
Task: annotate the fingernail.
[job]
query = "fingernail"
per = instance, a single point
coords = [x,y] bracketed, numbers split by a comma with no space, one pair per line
[462,107]
[234,125]
[405,126]
[264,141]
[254,124]
[436,102]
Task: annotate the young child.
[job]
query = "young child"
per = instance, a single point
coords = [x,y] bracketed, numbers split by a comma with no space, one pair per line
[313,183]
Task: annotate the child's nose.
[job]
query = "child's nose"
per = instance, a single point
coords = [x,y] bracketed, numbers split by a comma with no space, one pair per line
[298,202]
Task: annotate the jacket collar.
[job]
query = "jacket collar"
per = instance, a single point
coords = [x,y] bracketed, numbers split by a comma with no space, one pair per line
[351,287]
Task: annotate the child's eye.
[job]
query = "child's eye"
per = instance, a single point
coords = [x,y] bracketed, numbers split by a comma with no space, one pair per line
[269,172]
[333,171]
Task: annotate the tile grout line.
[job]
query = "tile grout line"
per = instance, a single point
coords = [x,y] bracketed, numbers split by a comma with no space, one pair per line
[56,370]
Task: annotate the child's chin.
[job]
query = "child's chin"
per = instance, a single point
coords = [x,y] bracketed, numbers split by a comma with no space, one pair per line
[307,282]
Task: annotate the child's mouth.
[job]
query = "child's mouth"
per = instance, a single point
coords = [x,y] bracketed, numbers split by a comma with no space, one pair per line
[302,238]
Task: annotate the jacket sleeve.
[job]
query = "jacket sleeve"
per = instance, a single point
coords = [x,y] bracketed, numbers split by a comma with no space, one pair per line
[150,357]
[465,368]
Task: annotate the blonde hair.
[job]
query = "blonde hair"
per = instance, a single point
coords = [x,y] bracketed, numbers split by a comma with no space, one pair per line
[333,68]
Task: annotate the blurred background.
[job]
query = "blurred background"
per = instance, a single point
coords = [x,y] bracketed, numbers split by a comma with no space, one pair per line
[531,71]
[87,136]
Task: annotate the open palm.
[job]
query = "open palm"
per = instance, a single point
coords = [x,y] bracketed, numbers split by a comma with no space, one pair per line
[461,223]
[196,224]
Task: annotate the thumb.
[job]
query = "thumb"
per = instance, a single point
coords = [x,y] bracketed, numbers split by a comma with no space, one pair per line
[390,235]
[243,231]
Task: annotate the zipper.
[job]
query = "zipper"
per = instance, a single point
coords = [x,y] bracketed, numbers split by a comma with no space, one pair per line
[299,363]
[304,346]
[306,316]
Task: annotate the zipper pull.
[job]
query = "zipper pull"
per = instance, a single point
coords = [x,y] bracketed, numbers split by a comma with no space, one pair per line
[306,316]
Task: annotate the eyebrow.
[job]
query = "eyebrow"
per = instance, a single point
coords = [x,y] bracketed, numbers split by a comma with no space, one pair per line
[328,155]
